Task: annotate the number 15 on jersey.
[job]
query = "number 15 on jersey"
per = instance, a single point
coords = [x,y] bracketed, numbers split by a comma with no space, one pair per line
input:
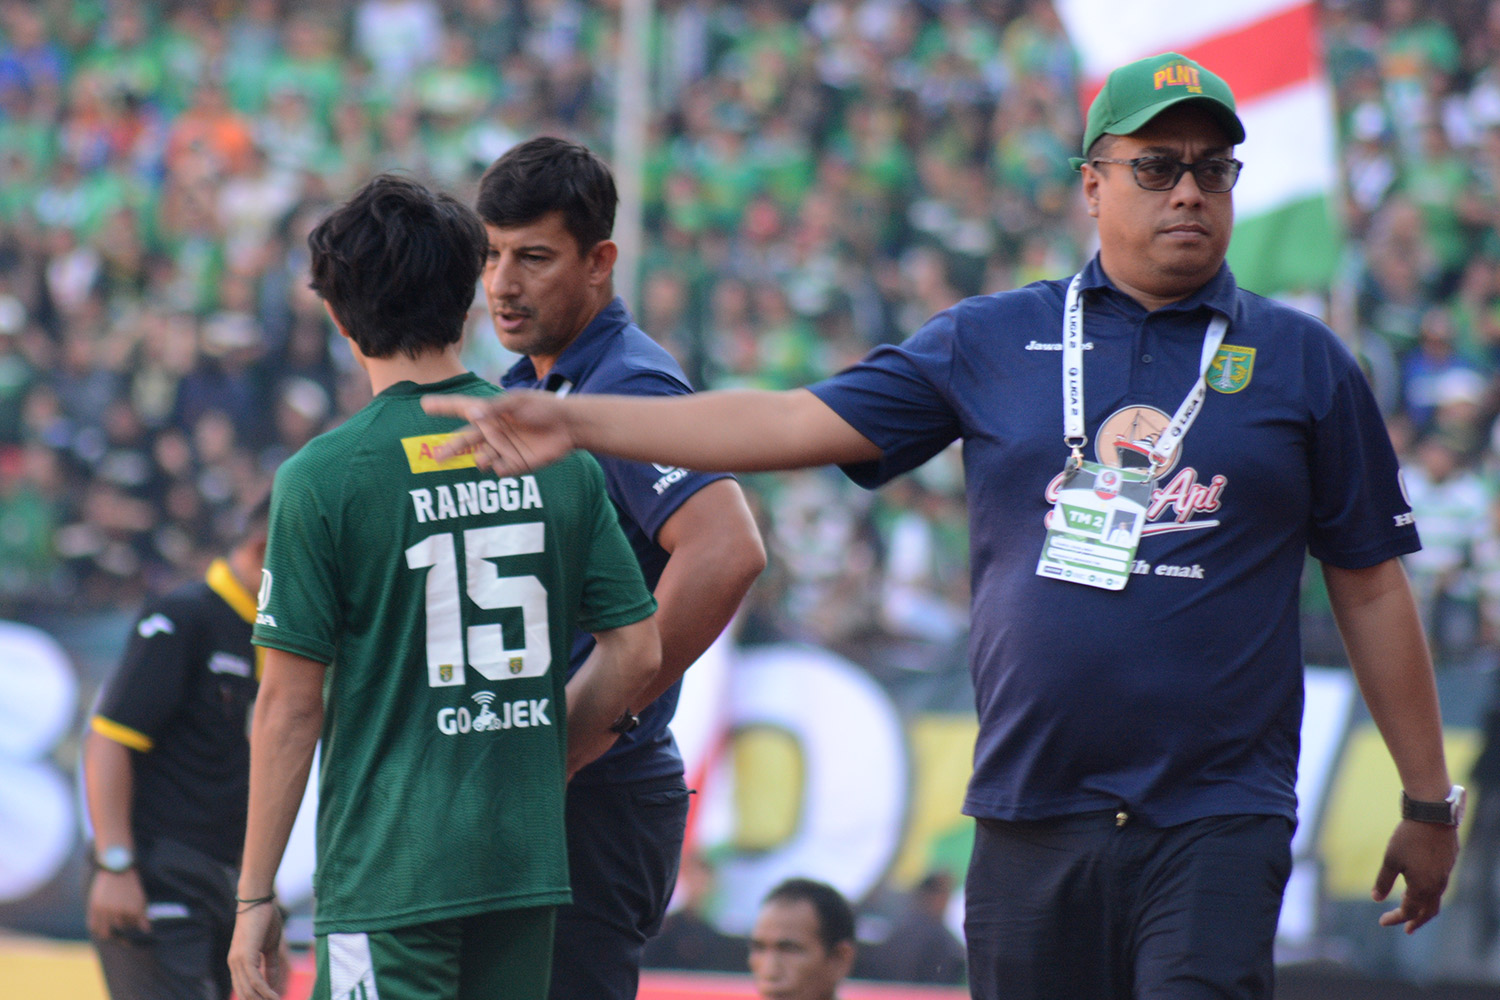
[487,589]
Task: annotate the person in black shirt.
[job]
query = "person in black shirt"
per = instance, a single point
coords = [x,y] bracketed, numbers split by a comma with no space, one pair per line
[166,771]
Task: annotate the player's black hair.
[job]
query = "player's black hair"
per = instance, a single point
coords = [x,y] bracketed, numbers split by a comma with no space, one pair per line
[545,175]
[398,264]
[251,521]
[835,916]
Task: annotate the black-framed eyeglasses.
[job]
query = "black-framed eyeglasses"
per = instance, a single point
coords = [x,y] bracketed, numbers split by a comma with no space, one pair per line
[1214,175]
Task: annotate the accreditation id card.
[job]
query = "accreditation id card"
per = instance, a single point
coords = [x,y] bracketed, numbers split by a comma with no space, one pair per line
[1095,526]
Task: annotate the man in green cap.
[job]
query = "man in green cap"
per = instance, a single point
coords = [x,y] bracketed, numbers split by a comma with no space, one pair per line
[1149,454]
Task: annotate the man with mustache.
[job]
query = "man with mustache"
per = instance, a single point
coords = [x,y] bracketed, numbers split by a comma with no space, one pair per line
[1135,649]
[548,207]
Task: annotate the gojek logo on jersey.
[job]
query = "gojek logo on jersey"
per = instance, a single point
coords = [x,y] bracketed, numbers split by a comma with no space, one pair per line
[522,713]
[1125,441]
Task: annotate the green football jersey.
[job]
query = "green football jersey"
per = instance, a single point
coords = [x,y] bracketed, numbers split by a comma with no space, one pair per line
[444,600]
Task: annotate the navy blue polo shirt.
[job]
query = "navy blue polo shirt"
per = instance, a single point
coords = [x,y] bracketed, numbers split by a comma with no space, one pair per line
[614,356]
[1179,697]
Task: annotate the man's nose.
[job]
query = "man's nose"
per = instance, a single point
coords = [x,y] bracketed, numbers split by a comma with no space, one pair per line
[499,277]
[1186,191]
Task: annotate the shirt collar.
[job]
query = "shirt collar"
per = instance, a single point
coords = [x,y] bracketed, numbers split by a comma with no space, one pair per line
[222,581]
[1218,294]
[579,357]
[406,387]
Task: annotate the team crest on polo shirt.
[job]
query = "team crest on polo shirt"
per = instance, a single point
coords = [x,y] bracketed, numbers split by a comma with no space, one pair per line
[1231,368]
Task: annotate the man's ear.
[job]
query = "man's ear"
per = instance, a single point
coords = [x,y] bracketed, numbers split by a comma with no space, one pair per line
[1091,181]
[843,955]
[601,261]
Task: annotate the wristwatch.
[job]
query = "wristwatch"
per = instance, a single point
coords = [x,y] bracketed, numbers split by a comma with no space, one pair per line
[1449,812]
[116,859]
[627,721]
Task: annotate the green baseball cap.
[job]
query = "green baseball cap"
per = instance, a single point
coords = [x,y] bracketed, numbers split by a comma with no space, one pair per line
[1137,92]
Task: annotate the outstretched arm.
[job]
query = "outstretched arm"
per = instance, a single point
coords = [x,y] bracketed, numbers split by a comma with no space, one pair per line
[1383,635]
[288,720]
[738,430]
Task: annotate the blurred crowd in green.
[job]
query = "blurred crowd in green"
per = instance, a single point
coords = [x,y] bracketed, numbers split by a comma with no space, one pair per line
[820,177]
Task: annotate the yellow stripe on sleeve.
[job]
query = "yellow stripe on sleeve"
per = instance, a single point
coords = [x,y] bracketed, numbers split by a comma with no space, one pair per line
[123,735]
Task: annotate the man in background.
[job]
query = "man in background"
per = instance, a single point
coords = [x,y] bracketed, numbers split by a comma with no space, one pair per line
[802,945]
[548,207]
[166,769]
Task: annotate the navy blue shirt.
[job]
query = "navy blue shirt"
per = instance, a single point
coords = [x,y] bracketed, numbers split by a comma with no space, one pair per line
[1179,697]
[614,356]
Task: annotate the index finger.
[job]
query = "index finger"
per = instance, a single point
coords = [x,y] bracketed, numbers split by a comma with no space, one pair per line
[1420,907]
[458,443]
[1411,913]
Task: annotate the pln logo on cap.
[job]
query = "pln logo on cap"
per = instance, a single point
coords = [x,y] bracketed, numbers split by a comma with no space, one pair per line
[1178,75]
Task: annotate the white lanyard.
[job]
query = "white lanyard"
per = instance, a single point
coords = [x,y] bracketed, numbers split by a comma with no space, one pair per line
[1170,439]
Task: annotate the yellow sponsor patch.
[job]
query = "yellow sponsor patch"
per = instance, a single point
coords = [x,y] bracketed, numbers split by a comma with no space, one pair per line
[420,451]
[1178,75]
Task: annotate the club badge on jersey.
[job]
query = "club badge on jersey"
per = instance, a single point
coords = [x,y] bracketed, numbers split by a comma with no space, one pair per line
[1094,528]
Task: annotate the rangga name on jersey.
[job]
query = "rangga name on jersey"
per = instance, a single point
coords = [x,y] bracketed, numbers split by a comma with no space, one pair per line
[483,496]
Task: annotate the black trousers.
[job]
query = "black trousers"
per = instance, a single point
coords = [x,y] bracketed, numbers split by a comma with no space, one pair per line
[1083,907]
[190,902]
[624,846]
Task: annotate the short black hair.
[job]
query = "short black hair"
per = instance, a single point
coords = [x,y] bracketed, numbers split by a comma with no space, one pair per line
[248,523]
[398,264]
[835,916]
[545,175]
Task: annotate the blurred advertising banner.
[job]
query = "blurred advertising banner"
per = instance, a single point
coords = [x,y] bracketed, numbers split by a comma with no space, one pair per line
[845,766]
[1286,235]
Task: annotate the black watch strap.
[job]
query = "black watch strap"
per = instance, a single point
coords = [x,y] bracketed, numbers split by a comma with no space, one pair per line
[627,721]
[1448,812]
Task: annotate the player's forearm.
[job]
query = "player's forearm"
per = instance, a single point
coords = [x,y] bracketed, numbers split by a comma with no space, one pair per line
[741,430]
[109,787]
[1388,653]
[283,738]
[608,684]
